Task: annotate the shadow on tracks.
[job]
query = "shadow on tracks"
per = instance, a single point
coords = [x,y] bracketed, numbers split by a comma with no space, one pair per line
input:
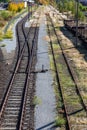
[82,46]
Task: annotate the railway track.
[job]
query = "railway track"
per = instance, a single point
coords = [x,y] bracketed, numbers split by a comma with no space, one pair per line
[81,103]
[13,106]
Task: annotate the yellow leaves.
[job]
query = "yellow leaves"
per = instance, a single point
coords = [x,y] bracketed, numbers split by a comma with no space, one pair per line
[15,7]
[45,2]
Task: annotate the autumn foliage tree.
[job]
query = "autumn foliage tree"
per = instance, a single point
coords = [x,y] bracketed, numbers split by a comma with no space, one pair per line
[45,2]
[15,7]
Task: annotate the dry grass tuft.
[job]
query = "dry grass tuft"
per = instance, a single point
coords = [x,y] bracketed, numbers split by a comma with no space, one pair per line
[47,38]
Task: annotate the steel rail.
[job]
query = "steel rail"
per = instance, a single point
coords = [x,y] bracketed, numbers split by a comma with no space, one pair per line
[21,121]
[18,62]
[71,73]
[70,70]
[14,73]
[58,80]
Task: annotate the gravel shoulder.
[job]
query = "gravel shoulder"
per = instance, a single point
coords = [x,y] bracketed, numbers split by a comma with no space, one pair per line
[45,111]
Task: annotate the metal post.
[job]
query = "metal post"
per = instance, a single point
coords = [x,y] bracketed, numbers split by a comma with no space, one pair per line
[77,5]
[28,11]
[31,9]
[28,8]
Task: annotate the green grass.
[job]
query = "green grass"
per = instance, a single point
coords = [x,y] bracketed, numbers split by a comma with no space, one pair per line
[55,46]
[36,101]
[8,35]
[60,121]
[81,114]
[51,63]
[65,79]
[84,96]
[6,15]
[1,36]
[71,99]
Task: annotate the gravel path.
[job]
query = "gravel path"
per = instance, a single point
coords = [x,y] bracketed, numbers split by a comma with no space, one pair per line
[45,112]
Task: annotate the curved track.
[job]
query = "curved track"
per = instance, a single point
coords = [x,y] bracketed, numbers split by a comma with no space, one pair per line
[14,101]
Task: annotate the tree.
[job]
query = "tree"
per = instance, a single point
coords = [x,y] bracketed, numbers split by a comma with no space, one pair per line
[45,2]
[69,5]
[5,1]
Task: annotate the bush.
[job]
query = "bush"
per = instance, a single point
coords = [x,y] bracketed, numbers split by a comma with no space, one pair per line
[81,15]
[70,6]
[20,6]
[2,23]
[16,7]
[6,15]
[8,34]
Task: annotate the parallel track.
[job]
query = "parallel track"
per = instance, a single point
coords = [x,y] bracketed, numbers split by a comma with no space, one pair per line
[68,125]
